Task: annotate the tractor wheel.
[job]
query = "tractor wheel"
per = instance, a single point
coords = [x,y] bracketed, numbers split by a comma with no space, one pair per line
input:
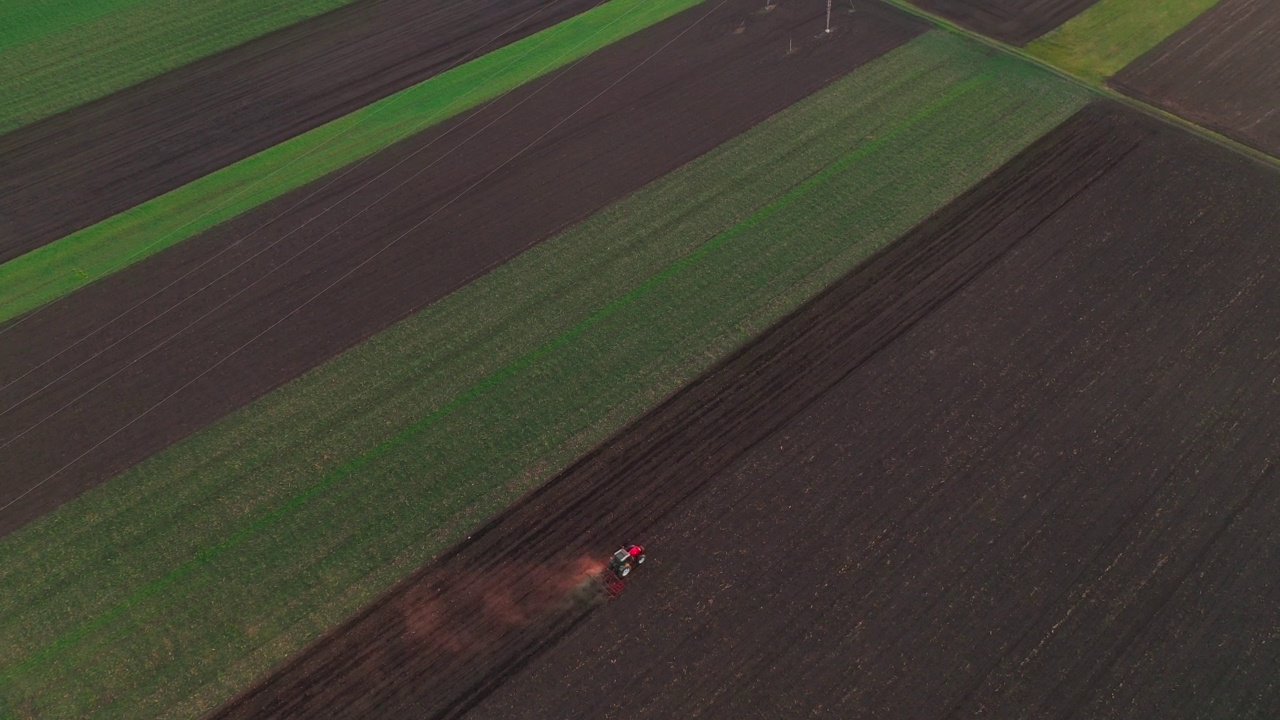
[640,560]
[624,571]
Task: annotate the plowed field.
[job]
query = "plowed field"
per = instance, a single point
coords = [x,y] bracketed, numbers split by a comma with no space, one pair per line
[1221,71]
[1019,464]
[1014,21]
[91,162]
[180,347]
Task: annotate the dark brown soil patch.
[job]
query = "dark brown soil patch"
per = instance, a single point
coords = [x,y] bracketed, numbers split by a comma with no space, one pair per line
[1014,21]
[708,85]
[1221,71]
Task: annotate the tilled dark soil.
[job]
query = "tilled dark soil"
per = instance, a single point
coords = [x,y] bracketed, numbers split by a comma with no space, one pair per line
[1013,21]
[1021,464]
[1221,71]
[1052,497]
[89,163]
[253,303]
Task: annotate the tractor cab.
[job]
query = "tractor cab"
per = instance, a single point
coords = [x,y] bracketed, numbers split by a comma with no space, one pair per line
[625,560]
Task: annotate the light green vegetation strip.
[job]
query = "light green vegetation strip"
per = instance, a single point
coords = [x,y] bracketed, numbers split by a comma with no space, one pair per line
[174,585]
[56,54]
[1099,42]
[61,267]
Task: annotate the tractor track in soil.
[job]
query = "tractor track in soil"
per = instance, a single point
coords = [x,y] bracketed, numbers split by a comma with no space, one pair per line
[1018,463]
[715,79]
[84,165]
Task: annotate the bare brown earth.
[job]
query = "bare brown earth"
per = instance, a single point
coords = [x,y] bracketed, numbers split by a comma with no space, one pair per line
[1022,464]
[87,164]
[1221,71]
[197,349]
[1013,21]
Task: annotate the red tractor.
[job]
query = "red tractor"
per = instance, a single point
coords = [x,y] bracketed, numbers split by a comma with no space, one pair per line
[621,563]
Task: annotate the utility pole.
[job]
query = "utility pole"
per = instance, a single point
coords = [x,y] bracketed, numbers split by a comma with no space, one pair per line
[828,16]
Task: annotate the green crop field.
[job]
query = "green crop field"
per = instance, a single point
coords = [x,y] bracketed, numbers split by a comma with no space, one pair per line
[57,54]
[171,587]
[1099,42]
[63,266]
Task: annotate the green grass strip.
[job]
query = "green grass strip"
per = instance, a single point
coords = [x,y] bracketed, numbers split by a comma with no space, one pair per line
[57,54]
[166,590]
[1099,42]
[65,265]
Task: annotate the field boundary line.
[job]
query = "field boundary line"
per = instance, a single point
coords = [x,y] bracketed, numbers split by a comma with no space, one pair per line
[1102,89]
